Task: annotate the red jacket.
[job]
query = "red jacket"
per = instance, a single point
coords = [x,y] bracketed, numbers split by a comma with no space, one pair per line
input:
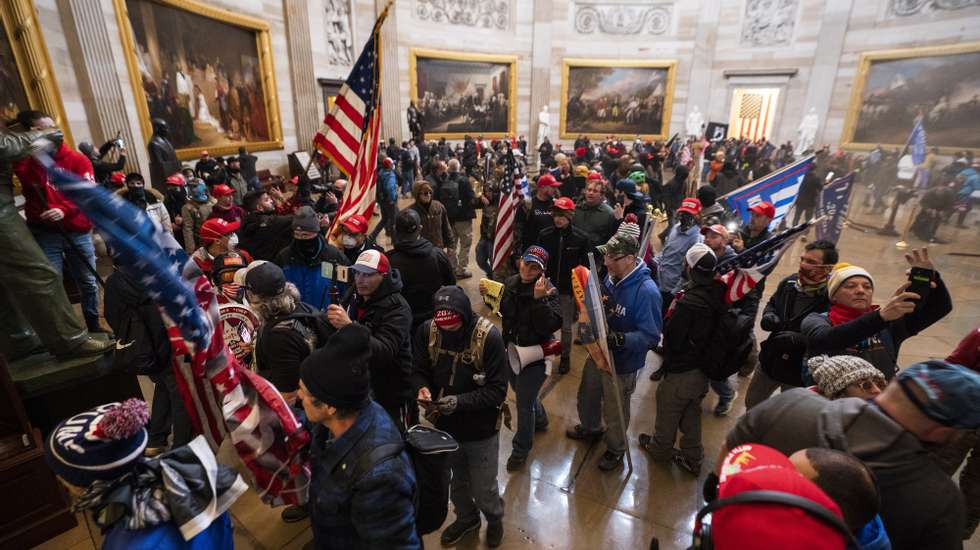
[967,353]
[34,180]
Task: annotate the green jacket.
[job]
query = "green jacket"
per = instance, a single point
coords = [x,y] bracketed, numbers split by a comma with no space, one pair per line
[597,221]
[13,147]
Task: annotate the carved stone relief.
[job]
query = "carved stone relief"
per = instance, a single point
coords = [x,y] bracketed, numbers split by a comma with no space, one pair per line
[622,18]
[488,14]
[905,8]
[769,22]
[340,39]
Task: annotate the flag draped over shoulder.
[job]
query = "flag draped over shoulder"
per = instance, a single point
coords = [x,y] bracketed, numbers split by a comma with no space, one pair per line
[779,188]
[832,209]
[743,272]
[350,134]
[223,399]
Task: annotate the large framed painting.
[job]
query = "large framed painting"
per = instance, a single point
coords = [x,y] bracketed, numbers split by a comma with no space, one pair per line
[206,71]
[892,88]
[26,77]
[603,97]
[464,93]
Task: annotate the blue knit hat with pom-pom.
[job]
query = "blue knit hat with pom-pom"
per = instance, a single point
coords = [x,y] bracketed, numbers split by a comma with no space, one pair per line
[98,444]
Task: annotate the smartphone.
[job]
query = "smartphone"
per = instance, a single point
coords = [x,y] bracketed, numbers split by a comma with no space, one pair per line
[920,280]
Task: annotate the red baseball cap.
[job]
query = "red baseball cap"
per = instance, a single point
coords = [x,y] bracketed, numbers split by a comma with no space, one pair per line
[691,206]
[117,178]
[356,224]
[594,176]
[770,526]
[176,179]
[564,203]
[580,152]
[548,180]
[445,318]
[222,190]
[764,209]
[215,228]
[387,163]
[371,261]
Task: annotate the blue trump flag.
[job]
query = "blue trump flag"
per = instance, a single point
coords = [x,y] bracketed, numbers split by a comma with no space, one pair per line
[832,209]
[779,188]
[917,142]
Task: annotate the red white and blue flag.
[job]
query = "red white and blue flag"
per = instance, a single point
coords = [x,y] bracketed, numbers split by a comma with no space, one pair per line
[832,209]
[350,134]
[779,188]
[743,272]
[511,198]
[223,399]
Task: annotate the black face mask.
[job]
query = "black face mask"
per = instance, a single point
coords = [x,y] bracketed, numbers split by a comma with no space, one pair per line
[307,248]
[136,194]
[178,195]
[686,221]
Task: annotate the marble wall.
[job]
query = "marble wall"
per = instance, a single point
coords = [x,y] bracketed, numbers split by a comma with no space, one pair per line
[808,48]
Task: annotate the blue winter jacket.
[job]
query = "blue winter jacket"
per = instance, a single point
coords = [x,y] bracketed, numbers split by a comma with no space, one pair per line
[971,184]
[218,536]
[634,309]
[873,536]
[388,185]
[670,261]
[374,511]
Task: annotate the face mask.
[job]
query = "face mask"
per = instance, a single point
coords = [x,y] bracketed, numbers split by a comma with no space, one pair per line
[686,222]
[307,247]
[178,194]
[348,241]
[137,194]
[233,241]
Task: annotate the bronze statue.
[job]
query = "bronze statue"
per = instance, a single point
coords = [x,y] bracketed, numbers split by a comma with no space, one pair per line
[163,157]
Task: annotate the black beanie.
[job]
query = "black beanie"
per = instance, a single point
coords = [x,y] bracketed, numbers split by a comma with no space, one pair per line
[338,373]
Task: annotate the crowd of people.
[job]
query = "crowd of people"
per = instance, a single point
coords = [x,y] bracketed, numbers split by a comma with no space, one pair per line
[867,442]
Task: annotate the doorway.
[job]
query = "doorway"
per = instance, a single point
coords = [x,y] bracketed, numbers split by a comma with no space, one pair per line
[753,111]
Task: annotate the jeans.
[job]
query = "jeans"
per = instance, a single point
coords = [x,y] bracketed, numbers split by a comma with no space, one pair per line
[388,212]
[484,248]
[597,403]
[568,315]
[724,390]
[679,397]
[530,411]
[58,251]
[474,486]
[463,234]
[168,413]
[761,387]
[408,180]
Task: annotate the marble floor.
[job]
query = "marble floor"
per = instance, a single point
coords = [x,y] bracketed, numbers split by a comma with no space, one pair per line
[548,506]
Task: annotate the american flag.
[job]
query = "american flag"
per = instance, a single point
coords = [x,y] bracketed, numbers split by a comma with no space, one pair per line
[753,113]
[350,133]
[223,399]
[743,272]
[511,198]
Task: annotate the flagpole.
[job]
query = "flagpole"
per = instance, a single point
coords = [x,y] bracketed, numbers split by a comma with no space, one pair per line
[604,345]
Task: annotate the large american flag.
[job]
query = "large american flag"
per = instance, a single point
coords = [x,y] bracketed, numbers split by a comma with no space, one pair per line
[511,197]
[350,133]
[223,399]
[754,115]
[743,272]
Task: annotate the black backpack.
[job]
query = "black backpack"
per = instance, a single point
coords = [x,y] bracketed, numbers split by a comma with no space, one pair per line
[428,449]
[731,345]
[448,194]
[142,343]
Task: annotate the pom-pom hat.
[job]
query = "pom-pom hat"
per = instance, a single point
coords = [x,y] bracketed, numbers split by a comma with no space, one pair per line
[98,444]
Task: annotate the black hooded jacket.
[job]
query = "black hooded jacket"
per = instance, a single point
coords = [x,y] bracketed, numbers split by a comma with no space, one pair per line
[566,248]
[424,269]
[478,398]
[388,316]
[689,330]
[526,320]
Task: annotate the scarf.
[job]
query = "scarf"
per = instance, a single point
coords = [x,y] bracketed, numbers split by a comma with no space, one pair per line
[840,314]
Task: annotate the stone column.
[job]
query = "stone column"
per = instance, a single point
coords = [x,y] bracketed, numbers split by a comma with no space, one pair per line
[305,92]
[540,79]
[826,61]
[392,110]
[702,60]
[99,80]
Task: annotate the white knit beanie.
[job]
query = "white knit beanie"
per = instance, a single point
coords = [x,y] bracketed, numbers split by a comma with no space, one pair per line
[842,272]
[833,374]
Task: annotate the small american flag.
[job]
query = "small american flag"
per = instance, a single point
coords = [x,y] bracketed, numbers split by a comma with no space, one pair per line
[223,399]
[751,106]
[743,272]
[350,132]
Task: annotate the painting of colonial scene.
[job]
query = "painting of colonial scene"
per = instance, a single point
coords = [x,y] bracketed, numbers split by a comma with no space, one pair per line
[462,96]
[623,101]
[944,89]
[200,75]
[13,96]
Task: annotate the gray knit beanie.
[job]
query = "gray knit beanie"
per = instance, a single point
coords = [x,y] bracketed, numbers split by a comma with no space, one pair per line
[834,374]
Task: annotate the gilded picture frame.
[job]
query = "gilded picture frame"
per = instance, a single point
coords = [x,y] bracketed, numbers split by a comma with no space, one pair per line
[256,123]
[596,119]
[469,108]
[929,81]
[22,33]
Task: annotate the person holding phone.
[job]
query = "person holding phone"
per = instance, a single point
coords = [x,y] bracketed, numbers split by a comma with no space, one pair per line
[854,326]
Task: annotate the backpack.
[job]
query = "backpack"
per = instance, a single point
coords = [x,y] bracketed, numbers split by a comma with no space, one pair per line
[472,354]
[428,449]
[313,327]
[448,195]
[723,358]
[140,349]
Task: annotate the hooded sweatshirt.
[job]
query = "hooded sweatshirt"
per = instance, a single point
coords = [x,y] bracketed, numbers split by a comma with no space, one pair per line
[634,310]
[310,265]
[921,507]
[424,269]
[670,261]
[478,399]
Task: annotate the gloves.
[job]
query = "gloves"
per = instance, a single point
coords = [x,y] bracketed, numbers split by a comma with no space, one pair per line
[616,340]
[710,488]
[447,405]
[770,322]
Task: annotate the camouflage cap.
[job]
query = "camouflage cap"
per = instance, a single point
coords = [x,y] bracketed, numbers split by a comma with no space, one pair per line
[620,244]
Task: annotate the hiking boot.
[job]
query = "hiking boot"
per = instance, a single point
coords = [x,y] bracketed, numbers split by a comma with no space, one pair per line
[458,530]
[88,348]
[646,443]
[581,434]
[495,533]
[693,468]
[464,274]
[565,366]
[610,461]
[515,462]
[724,406]
[292,514]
